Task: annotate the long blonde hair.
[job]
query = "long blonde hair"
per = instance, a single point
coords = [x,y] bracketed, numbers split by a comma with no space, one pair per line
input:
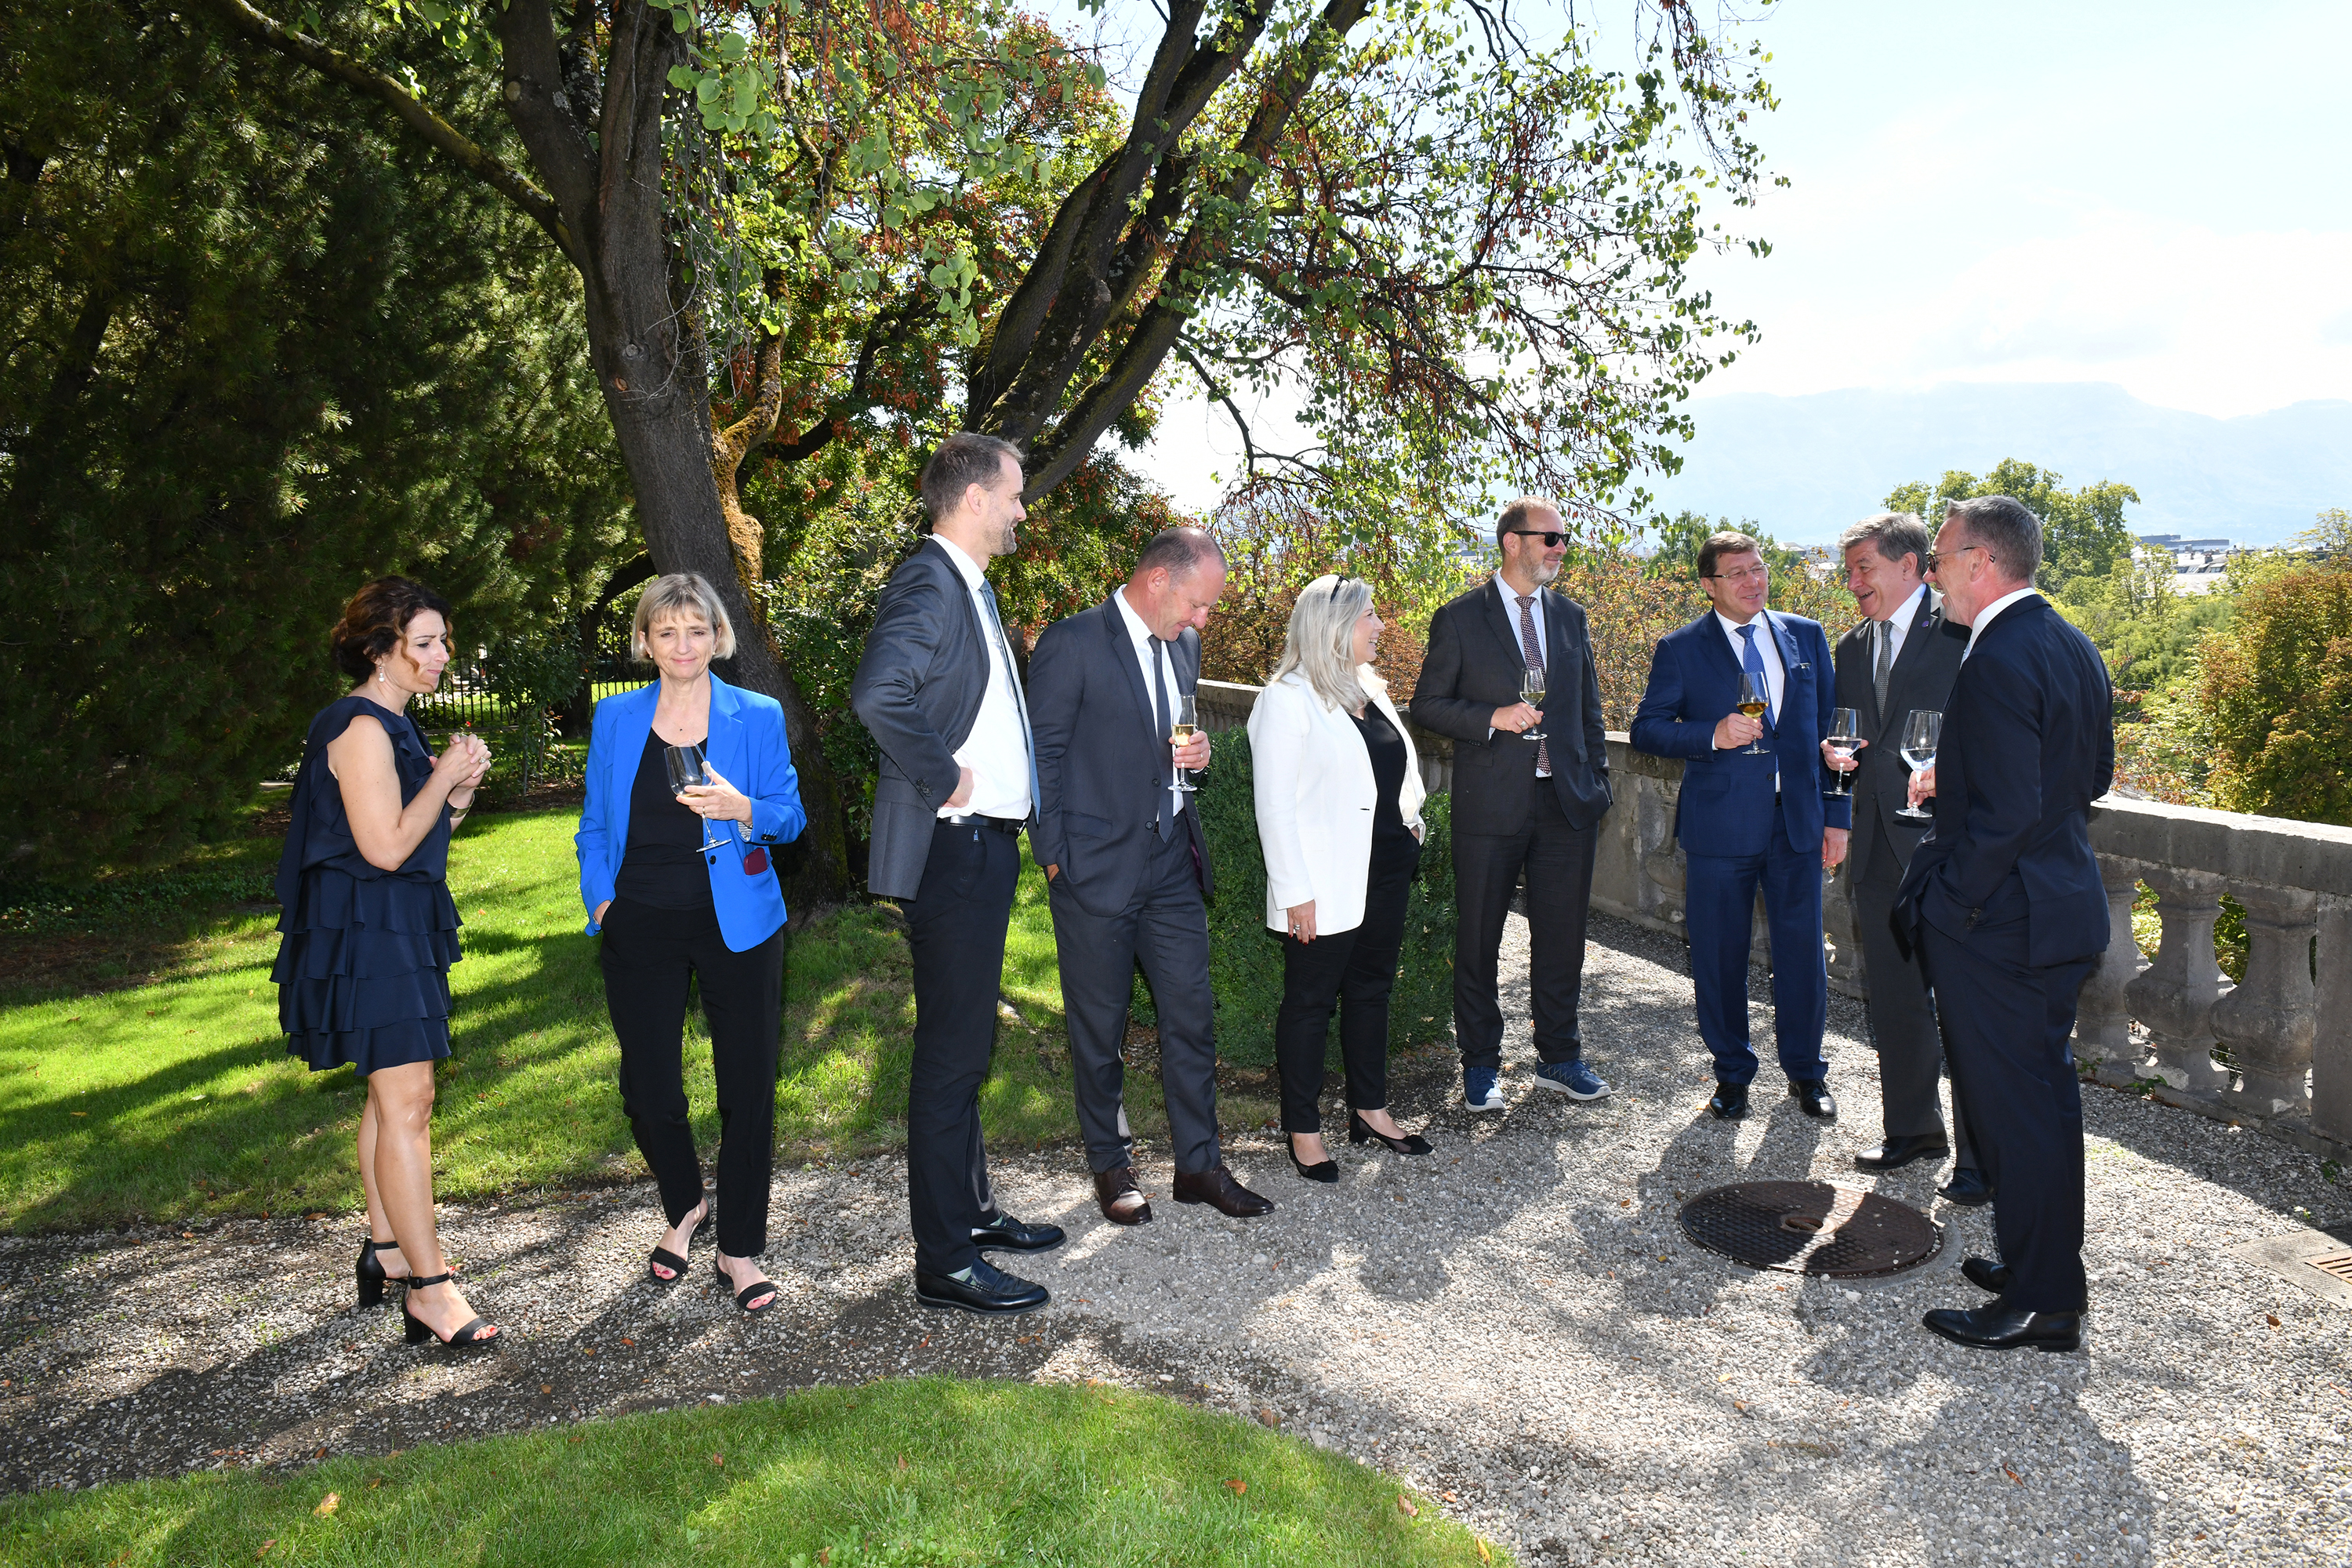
[1321,644]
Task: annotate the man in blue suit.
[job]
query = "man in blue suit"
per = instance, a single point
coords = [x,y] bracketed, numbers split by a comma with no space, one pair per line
[2004,903]
[1757,810]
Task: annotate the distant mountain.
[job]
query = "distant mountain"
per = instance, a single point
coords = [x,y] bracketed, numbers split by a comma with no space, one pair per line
[1806,467]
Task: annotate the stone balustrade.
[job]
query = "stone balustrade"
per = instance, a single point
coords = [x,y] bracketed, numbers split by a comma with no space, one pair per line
[2285,1034]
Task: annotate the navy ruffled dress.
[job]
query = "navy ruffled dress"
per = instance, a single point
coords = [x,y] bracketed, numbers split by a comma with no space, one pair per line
[364,960]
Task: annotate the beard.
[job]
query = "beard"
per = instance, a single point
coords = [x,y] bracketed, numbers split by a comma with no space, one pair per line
[1542,571]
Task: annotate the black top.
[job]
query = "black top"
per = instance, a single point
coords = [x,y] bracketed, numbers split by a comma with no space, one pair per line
[1391,756]
[662,864]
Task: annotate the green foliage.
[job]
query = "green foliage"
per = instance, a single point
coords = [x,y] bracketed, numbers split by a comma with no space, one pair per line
[534,678]
[2274,693]
[2083,529]
[2147,633]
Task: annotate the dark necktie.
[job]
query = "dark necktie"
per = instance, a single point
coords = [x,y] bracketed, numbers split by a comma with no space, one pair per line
[1752,662]
[1886,663]
[1167,725]
[1012,675]
[1535,661]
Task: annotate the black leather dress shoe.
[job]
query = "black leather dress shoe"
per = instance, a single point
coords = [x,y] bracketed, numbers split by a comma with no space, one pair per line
[1897,1152]
[1813,1097]
[1121,1200]
[2000,1328]
[1986,1274]
[1005,1234]
[1967,1188]
[1730,1102]
[1216,1188]
[989,1292]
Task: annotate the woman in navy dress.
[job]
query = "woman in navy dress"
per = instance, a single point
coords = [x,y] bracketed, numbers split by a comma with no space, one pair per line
[370,933]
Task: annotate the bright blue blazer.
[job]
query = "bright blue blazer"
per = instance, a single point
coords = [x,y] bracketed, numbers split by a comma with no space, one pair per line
[748,749]
[1726,804]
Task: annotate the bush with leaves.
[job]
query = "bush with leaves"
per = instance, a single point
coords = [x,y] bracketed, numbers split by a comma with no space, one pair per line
[2272,694]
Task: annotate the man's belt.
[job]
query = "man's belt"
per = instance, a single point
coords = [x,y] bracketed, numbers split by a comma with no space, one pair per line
[974,819]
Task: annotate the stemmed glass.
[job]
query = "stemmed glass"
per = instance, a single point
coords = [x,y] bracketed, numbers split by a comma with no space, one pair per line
[1531,692]
[1920,732]
[1845,739]
[1180,730]
[1753,703]
[687,770]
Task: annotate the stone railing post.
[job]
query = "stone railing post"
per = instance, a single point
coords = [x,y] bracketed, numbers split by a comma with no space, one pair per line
[2175,995]
[2103,1017]
[2331,1049]
[2267,1021]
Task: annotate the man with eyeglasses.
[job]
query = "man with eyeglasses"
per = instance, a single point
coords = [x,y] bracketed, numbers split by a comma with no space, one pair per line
[1522,804]
[1758,809]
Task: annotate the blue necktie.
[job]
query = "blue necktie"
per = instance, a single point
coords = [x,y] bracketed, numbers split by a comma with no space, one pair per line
[1753,663]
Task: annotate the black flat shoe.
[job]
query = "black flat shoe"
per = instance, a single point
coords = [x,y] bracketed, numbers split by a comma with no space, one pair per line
[1361,1131]
[1009,1235]
[1967,1188]
[474,1333]
[1327,1172]
[1813,1097]
[744,1298]
[989,1292]
[1986,1274]
[2000,1328]
[1729,1103]
[1897,1152]
[671,1260]
[370,1273]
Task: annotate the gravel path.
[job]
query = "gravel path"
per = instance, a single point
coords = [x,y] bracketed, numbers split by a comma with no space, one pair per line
[1515,1324]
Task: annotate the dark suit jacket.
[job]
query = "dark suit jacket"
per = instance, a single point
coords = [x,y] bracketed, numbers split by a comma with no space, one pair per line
[1922,678]
[1473,666]
[1726,804]
[2029,742]
[917,689]
[1103,758]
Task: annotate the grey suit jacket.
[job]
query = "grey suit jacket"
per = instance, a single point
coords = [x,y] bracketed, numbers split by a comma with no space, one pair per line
[1922,678]
[917,689]
[1103,759]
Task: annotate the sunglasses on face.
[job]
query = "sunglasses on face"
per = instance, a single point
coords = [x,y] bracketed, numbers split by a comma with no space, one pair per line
[1551,537]
[1936,555]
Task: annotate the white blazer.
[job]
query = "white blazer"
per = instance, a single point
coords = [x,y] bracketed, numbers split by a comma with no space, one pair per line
[1315,799]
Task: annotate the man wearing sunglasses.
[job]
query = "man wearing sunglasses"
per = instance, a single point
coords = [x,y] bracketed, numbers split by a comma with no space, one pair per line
[1521,805]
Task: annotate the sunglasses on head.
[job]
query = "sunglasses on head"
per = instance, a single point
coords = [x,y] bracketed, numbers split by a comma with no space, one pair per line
[1550,536]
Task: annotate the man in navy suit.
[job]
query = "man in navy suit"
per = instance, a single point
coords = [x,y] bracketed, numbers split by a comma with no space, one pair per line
[2004,901]
[1766,817]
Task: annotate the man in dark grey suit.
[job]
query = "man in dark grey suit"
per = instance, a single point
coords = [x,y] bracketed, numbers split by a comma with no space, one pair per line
[938,690]
[1126,866]
[1519,806]
[1898,659]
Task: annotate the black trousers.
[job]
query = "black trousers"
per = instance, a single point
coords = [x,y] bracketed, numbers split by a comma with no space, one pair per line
[1902,1022]
[1355,970]
[1557,860]
[2005,1030]
[955,931]
[647,956]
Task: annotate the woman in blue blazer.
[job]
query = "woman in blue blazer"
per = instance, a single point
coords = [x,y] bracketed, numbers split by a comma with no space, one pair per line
[683,884]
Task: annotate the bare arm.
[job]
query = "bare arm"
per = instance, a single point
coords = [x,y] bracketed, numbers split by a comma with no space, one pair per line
[387,832]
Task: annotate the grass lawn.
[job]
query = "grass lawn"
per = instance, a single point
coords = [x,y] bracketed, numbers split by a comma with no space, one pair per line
[172,1098]
[921,1472]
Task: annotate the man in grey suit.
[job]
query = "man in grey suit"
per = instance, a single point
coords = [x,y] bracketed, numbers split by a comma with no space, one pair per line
[1126,866]
[938,690]
[1896,659]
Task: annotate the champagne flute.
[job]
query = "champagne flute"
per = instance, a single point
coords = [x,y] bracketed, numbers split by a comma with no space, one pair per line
[688,770]
[1845,739]
[1180,730]
[1531,692]
[1920,732]
[1753,703]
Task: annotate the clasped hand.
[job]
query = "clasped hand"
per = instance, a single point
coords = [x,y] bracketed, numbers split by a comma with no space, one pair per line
[717,800]
[467,762]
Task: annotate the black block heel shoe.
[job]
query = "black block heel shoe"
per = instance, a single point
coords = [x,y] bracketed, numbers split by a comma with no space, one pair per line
[1361,1131]
[475,1332]
[369,1271]
[1327,1172]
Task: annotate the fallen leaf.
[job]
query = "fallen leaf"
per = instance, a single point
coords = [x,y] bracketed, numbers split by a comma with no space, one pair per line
[721,1460]
[2013,1475]
[1723,1377]
[587,1350]
[902,1461]
[328,1504]
[1235,1487]
[1484,1555]
[264,1550]
[1740,1404]
[1450,1496]
[547,1388]
[2273,1318]
[375,1483]
[1404,1506]
[1624,1202]
[81,1113]
[630,1344]
[1267,1417]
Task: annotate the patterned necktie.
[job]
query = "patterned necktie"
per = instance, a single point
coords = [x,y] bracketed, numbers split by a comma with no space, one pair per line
[1752,662]
[1535,661]
[1885,661]
[1012,676]
[1159,696]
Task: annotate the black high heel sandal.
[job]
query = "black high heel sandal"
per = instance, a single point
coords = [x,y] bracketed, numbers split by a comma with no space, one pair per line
[743,1296]
[1361,1131]
[671,1260]
[1326,1171]
[370,1272]
[419,1331]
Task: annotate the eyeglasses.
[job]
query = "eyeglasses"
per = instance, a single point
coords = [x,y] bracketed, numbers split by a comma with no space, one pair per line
[1745,575]
[1936,555]
[1550,537]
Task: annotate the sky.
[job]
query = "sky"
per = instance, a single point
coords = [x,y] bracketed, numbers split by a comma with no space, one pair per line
[2148,194]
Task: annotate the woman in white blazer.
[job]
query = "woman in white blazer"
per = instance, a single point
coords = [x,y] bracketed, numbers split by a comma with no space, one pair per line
[1338,816]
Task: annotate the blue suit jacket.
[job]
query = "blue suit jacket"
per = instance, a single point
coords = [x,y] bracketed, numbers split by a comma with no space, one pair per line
[747,748]
[1726,806]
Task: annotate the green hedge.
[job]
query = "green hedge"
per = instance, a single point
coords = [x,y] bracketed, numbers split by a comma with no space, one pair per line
[1245,958]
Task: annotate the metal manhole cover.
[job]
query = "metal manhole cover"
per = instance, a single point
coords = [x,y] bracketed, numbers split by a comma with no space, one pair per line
[1811,1227]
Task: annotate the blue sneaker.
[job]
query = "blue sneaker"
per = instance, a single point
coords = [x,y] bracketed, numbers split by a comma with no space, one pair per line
[1479,1090]
[1572,1079]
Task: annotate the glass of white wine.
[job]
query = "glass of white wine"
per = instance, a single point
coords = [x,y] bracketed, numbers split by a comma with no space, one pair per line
[1531,692]
[687,771]
[1845,739]
[1921,730]
[1753,703]
[1181,731]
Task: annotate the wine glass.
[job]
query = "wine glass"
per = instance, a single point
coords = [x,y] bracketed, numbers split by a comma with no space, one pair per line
[1845,739]
[688,770]
[1920,732]
[1752,703]
[1180,730]
[1531,692]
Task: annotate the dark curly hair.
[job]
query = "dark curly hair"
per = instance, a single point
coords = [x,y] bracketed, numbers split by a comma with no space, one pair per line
[377,617]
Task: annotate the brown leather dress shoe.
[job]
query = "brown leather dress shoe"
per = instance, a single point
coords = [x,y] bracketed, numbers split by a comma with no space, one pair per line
[1122,1201]
[1217,1187]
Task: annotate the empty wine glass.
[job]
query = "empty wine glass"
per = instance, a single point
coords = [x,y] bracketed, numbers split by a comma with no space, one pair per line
[1920,732]
[1180,730]
[1845,739]
[1752,703]
[1531,692]
[687,770]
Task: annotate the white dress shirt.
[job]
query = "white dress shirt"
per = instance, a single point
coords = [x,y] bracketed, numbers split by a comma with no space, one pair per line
[1535,612]
[1149,648]
[1985,616]
[1768,647]
[1899,625]
[997,750]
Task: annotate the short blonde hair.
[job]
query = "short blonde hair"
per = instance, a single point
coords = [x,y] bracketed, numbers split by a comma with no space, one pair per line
[1322,641]
[677,593]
